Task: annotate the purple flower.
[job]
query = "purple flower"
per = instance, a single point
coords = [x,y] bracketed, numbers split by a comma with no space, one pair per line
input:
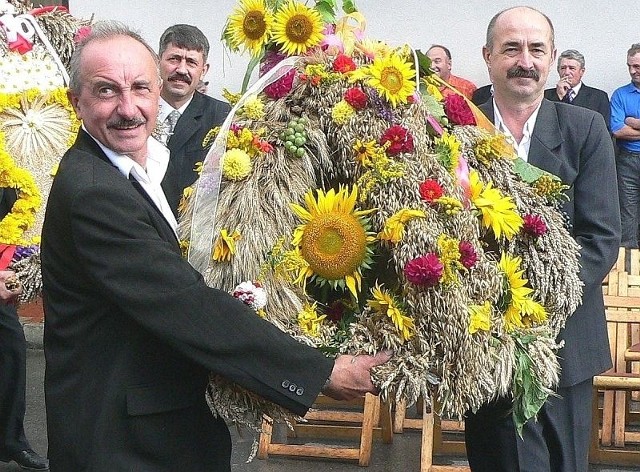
[424,270]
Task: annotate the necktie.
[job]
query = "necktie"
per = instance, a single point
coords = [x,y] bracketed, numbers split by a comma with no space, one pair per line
[568,97]
[171,120]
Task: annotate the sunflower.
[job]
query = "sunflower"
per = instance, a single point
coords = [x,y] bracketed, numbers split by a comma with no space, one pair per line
[250,26]
[384,303]
[392,77]
[517,294]
[297,28]
[498,211]
[335,238]
[479,317]
[309,320]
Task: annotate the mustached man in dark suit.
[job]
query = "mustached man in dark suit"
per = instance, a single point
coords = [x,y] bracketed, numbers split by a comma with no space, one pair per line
[14,445]
[131,329]
[183,55]
[573,144]
[571,89]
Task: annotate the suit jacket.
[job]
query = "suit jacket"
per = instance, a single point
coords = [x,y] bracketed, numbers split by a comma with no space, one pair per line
[573,144]
[202,114]
[482,94]
[132,332]
[587,97]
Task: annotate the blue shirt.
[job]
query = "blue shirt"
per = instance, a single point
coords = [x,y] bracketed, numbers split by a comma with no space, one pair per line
[625,102]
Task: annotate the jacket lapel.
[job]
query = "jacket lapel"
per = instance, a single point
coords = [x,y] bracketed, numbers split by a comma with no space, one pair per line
[187,125]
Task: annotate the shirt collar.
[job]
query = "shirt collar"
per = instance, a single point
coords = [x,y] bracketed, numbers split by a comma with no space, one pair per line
[522,148]
[165,109]
[576,89]
[157,161]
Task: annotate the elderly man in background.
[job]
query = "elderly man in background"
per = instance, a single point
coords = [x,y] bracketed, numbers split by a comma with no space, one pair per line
[571,89]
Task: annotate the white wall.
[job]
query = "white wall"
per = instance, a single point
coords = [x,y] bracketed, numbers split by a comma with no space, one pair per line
[602,31]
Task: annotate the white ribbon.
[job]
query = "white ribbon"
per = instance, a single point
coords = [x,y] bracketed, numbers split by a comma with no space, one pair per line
[205,199]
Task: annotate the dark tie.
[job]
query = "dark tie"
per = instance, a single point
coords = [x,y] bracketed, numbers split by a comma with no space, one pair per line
[568,97]
[172,119]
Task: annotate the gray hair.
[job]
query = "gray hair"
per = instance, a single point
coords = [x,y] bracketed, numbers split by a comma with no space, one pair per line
[492,25]
[571,54]
[634,49]
[184,36]
[100,31]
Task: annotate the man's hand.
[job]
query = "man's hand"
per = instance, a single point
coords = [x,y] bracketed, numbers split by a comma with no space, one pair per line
[562,86]
[10,287]
[351,376]
[632,122]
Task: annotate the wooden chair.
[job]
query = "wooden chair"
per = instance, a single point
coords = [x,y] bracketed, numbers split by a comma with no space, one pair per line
[434,436]
[610,435]
[333,420]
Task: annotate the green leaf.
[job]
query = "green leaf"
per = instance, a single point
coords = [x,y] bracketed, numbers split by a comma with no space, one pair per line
[424,63]
[327,10]
[255,60]
[349,6]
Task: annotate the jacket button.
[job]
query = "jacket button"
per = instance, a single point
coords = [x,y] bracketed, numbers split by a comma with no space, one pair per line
[285,384]
[300,391]
[292,387]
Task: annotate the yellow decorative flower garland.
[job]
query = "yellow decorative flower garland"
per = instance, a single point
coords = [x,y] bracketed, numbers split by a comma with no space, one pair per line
[23,213]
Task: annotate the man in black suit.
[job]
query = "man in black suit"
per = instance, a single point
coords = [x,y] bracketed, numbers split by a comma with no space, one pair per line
[132,330]
[573,144]
[14,445]
[183,64]
[571,89]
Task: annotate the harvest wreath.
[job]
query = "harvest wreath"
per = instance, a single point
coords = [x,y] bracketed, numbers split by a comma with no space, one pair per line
[358,214]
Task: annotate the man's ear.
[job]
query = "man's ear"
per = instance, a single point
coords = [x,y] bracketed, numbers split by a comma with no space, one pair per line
[486,55]
[73,99]
[205,69]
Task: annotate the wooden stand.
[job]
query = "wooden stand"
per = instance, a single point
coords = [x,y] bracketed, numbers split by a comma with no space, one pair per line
[433,442]
[331,419]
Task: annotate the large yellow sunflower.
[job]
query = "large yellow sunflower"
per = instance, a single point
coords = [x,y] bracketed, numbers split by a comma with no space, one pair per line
[297,28]
[334,239]
[250,26]
[393,78]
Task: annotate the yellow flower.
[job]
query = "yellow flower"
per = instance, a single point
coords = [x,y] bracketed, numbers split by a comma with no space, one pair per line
[384,303]
[297,28]
[309,320]
[342,112]
[393,230]
[480,318]
[393,78]
[498,211]
[187,193]
[449,255]
[451,206]
[23,212]
[250,26]
[494,147]
[225,245]
[236,164]
[521,310]
[434,91]
[334,238]
[448,148]
[253,108]
[533,313]
[364,150]
[231,97]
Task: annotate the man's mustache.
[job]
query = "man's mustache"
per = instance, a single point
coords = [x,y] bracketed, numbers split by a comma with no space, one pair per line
[520,72]
[126,124]
[184,77]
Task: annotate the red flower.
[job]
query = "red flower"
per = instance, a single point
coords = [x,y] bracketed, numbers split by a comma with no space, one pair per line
[430,190]
[280,87]
[424,270]
[458,111]
[81,33]
[343,64]
[534,226]
[468,255]
[399,139]
[356,98]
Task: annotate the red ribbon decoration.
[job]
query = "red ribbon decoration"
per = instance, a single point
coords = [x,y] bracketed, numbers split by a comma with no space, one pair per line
[6,254]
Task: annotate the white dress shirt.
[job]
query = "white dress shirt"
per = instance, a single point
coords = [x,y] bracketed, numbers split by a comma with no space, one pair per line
[149,178]
[522,147]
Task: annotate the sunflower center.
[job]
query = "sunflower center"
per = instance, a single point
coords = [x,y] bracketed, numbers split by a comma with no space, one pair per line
[391,79]
[299,29]
[334,245]
[254,25]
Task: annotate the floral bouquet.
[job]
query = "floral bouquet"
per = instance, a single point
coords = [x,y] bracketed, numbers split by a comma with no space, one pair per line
[37,125]
[357,209]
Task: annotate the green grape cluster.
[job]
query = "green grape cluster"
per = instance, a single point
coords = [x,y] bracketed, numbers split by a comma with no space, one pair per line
[294,137]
